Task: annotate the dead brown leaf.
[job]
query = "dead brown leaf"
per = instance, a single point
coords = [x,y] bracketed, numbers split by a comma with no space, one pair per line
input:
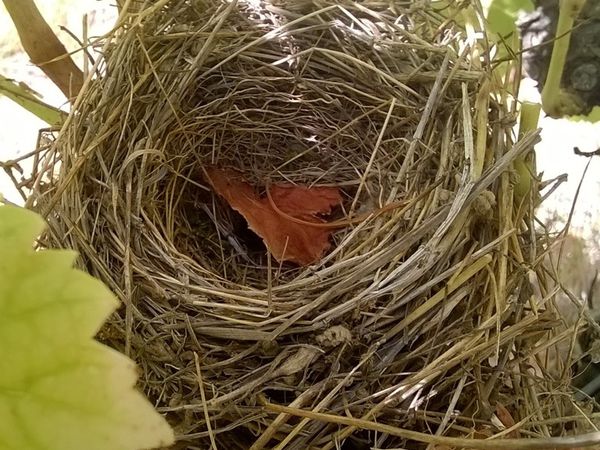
[285,239]
[507,419]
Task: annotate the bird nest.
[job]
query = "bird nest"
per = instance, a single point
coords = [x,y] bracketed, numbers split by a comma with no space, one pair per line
[413,322]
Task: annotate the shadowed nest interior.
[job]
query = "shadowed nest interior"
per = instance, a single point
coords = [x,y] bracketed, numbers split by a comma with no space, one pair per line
[422,317]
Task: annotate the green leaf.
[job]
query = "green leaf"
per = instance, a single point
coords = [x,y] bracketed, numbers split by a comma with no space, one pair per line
[593,116]
[20,94]
[59,388]
[502,15]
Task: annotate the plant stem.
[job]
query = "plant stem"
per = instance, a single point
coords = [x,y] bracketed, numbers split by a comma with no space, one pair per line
[22,96]
[525,165]
[557,103]
[43,47]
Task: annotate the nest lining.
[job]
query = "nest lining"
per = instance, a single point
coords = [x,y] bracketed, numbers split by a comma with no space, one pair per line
[402,320]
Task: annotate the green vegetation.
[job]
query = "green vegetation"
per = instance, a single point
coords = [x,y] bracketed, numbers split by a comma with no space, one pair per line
[556,102]
[28,100]
[502,15]
[59,388]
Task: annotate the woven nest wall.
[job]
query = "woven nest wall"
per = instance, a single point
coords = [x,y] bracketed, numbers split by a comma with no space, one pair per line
[421,315]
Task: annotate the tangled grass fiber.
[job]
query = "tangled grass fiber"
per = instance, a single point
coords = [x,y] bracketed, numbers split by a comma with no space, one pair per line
[415,330]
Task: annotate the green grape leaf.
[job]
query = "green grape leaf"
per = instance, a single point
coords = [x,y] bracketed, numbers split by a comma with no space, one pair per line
[502,15]
[593,116]
[26,98]
[59,388]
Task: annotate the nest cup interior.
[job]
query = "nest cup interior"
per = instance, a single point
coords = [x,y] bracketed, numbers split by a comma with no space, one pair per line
[322,102]
[287,110]
[375,98]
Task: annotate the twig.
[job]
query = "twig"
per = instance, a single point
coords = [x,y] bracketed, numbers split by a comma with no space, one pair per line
[44,48]
[587,154]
